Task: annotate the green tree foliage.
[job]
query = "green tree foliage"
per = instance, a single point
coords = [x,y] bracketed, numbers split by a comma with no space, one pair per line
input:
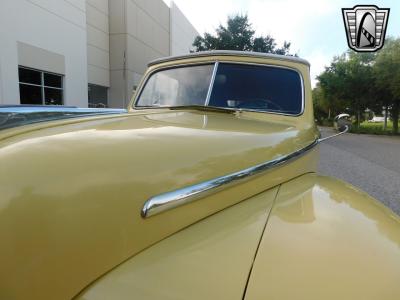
[322,109]
[387,73]
[356,81]
[239,35]
[331,85]
[347,83]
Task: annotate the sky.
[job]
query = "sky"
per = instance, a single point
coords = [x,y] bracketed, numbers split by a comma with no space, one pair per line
[314,27]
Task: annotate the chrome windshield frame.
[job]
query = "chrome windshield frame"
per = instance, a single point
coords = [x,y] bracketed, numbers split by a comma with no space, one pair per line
[211,86]
[216,64]
[147,77]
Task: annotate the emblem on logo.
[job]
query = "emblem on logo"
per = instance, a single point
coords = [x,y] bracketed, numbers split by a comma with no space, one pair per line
[365,27]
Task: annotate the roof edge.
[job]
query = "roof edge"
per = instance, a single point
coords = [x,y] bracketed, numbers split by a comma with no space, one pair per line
[230,53]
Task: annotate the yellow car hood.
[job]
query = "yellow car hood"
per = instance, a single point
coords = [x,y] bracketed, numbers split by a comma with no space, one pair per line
[73,190]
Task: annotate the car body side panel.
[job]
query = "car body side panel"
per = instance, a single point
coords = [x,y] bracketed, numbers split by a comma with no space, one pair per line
[208,260]
[327,240]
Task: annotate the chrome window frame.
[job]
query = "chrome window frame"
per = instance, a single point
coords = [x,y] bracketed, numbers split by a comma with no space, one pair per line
[147,77]
[216,63]
[211,86]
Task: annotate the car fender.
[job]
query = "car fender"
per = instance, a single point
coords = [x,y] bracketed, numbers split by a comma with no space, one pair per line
[210,259]
[325,239]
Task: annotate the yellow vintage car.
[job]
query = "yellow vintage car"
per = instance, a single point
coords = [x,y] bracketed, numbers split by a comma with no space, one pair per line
[204,188]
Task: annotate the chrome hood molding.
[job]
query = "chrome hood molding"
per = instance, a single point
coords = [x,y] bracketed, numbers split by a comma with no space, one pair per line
[172,199]
[14,116]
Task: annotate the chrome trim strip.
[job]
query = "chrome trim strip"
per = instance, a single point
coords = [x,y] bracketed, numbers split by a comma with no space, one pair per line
[13,116]
[169,200]
[334,135]
[210,87]
[57,109]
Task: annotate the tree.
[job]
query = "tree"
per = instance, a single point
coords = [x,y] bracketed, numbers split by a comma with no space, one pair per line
[348,83]
[359,81]
[331,84]
[321,106]
[387,73]
[356,81]
[239,35]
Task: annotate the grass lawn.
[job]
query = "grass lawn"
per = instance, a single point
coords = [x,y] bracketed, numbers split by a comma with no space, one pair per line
[373,128]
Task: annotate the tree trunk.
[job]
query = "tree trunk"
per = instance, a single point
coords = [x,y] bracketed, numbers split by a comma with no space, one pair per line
[358,120]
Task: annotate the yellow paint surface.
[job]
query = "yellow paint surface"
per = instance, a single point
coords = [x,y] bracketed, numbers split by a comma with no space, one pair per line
[327,240]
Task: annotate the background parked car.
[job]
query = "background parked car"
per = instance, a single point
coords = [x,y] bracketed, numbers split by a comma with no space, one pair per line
[376,119]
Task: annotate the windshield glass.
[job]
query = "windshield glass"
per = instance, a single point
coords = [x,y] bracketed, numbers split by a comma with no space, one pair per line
[235,86]
[257,87]
[177,87]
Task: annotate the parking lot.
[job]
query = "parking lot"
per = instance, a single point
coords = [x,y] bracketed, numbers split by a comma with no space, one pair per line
[369,162]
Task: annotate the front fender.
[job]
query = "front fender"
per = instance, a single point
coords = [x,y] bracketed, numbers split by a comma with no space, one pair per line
[210,259]
[327,240]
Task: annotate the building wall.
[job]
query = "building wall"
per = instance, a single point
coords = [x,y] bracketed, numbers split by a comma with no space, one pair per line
[139,32]
[56,28]
[106,43]
[182,32]
[98,42]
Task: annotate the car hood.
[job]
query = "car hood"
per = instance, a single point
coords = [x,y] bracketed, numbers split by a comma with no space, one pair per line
[73,190]
[160,151]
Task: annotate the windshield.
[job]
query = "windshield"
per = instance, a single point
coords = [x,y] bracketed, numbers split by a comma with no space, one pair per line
[234,86]
[177,87]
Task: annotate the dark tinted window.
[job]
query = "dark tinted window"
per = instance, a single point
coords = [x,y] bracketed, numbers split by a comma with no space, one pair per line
[52,80]
[39,88]
[30,94]
[52,96]
[29,76]
[97,96]
[258,88]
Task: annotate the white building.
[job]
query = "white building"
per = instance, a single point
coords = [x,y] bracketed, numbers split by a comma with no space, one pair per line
[77,52]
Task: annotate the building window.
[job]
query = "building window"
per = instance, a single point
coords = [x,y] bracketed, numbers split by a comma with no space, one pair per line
[97,96]
[40,88]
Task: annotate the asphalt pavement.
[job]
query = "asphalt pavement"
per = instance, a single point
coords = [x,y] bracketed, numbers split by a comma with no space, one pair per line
[369,162]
